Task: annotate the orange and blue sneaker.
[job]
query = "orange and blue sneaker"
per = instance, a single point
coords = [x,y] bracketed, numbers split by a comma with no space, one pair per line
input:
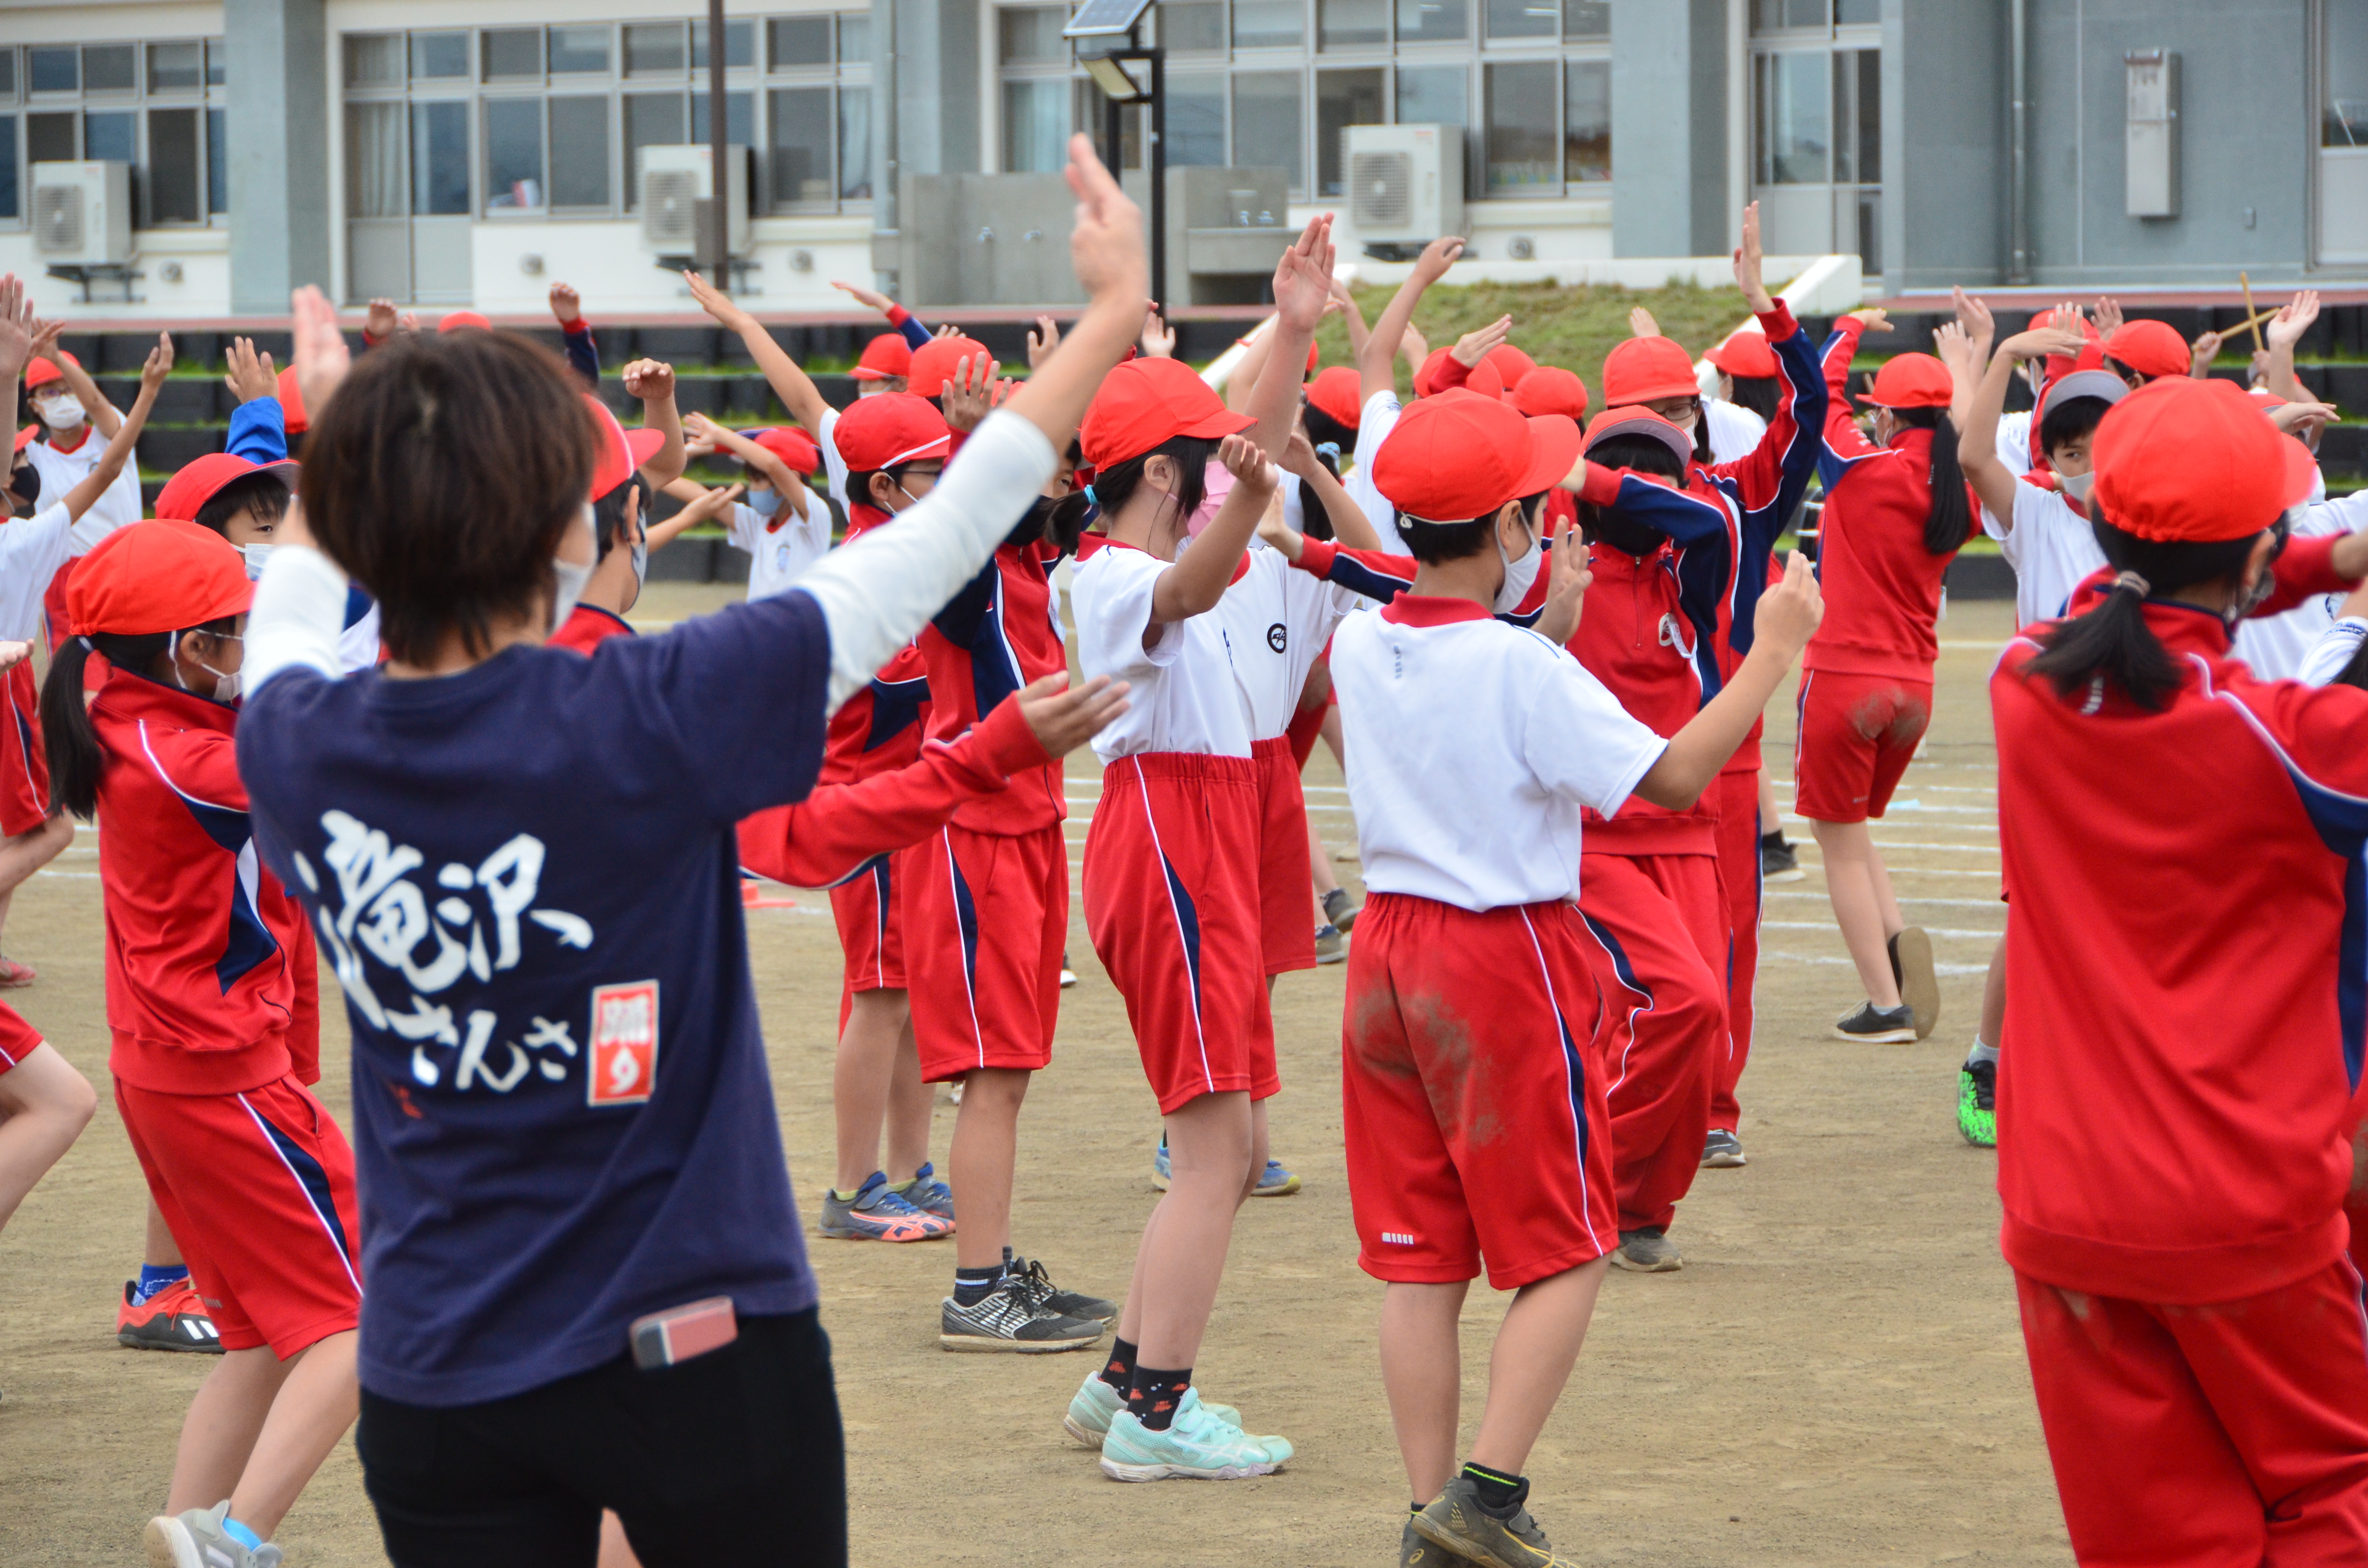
[878,1212]
[929,1195]
[175,1318]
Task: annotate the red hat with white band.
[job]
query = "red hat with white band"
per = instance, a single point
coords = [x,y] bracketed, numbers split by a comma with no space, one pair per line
[1145,404]
[885,358]
[1457,455]
[889,431]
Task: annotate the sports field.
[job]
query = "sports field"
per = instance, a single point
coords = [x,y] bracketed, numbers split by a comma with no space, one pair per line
[1835,1377]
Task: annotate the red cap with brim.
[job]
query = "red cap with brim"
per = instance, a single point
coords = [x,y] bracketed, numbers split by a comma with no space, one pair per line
[2154,349]
[2193,461]
[1909,380]
[1646,370]
[1745,355]
[460,319]
[1457,455]
[291,403]
[1334,392]
[615,463]
[1634,421]
[185,493]
[1145,404]
[884,357]
[792,446]
[935,362]
[643,444]
[1550,389]
[164,575]
[889,430]
[41,372]
[25,437]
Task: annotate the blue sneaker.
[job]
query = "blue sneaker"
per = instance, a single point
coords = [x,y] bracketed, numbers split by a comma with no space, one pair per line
[1198,1447]
[1273,1182]
[927,1193]
[877,1213]
[1095,1403]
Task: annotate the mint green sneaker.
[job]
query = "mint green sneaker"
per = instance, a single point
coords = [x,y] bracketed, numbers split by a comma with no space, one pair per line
[1977,1104]
[1198,1447]
[1089,1420]
[197,1538]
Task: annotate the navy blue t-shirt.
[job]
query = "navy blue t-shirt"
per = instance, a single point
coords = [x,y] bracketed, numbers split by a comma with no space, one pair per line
[526,876]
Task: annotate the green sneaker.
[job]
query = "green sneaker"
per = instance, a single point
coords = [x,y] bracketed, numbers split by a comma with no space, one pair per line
[1456,1522]
[1197,1446]
[1095,1403]
[194,1539]
[1977,1104]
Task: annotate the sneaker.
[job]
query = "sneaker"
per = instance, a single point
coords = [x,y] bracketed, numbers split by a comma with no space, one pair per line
[14,974]
[1723,1149]
[1330,946]
[1198,1447]
[1069,975]
[1096,1404]
[1010,1318]
[1052,1298]
[1161,1173]
[1456,1522]
[1977,1104]
[878,1212]
[1878,1026]
[1275,1182]
[1919,985]
[1648,1251]
[929,1195]
[194,1539]
[1415,1552]
[175,1318]
[1339,913]
[1778,863]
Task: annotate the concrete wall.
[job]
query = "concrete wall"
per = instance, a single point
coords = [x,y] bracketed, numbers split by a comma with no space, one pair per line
[1947,162]
[1670,69]
[277,125]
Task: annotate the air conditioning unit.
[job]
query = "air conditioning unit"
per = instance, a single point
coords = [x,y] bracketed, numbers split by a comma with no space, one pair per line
[82,213]
[676,185]
[1406,182]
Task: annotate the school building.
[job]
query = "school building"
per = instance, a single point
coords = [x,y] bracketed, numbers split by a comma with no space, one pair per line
[469,151]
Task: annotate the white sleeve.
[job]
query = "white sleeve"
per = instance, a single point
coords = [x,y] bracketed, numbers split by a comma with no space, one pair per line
[1114,610]
[877,592]
[2014,443]
[32,551]
[2333,651]
[833,464]
[2034,510]
[2343,514]
[297,619]
[1374,425]
[1580,742]
[741,532]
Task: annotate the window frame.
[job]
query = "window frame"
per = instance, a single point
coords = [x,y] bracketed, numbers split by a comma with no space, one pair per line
[18,103]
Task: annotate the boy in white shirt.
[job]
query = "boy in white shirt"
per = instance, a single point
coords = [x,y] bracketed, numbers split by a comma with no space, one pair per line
[784,527]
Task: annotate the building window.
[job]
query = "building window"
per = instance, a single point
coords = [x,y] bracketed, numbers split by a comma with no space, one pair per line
[1266,118]
[2344,122]
[1268,24]
[1817,122]
[143,102]
[1586,122]
[1524,140]
[1343,99]
[1433,21]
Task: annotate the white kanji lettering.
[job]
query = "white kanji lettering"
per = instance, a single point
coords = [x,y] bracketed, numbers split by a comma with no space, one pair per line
[545,1033]
[472,1057]
[510,876]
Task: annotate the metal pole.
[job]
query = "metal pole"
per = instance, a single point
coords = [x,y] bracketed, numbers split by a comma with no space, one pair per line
[718,148]
[1114,138]
[2019,262]
[1155,159]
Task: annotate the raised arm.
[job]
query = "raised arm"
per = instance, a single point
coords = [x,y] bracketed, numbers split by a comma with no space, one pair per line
[103,416]
[2282,332]
[119,446]
[1376,365]
[1351,317]
[1198,578]
[1786,615]
[793,386]
[1302,286]
[1350,524]
[1242,385]
[783,478]
[1771,479]
[652,381]
[907,325]
[1845,442]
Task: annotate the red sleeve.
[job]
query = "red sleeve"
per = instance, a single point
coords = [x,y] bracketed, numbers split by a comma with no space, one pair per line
[827,837]
[2305,567]
[200,764]
[1843,436]
[1452,372]
[1760,471]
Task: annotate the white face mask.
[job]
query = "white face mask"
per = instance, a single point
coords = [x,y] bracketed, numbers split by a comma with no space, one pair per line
[1518,574]
[573,576]
[2077,486]
[256,554]
[226,683]
[63,413]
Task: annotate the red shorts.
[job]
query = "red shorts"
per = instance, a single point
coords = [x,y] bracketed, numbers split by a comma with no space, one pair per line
[24,767]
[1857,735]
[1465,1072]
[18,1038]
[258,1189]
[1307,726]
[2231,1432]
[985,917]
[1172,905]
[1286,896]
[869,908]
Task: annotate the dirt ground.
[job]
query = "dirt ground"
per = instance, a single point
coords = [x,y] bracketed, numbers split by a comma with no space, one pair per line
[1836,1376]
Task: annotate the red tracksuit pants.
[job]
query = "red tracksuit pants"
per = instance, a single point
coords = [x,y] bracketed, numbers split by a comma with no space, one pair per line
[2227,1435]
[1738,870]
[1657,924]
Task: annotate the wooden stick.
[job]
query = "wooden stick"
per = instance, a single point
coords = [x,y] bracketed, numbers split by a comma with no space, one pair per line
[2253,321]
[2247,284]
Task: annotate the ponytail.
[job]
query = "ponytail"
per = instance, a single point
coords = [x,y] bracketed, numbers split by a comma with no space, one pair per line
[1315,521]
[76,759]
[1950,520]
[2356,672]
[2111,645]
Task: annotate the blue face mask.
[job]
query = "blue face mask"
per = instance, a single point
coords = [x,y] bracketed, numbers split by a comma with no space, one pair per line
[764,503]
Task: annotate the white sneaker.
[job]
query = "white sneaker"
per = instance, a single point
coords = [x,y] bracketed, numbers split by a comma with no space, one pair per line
[1197,1446]
[194,1539]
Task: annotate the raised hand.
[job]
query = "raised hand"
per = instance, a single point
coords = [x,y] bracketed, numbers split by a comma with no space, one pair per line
[1063,717]
[716,501]
[1303,279]
[1789,613]
[1953,348]
[2293,319]
[1436,258]
[1641,322]
[2046,343]
[320,351]
[969,393]
[2108,316]
[1567,582]
[2302,418]
[379,323]
[1874,317]
[652,381]
[718,304]
[1158,339]
[866,297]
[17,326]
[1279,534]
[1748,265]
[1106,249]
[566,304]
[248,375]
[45,338]
[1473,346]
[2203,351]
[947,329]
[159,364]
[1044,338]
[1298,453]
[1248,464]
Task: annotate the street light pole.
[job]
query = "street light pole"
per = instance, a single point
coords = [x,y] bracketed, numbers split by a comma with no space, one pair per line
[718,148]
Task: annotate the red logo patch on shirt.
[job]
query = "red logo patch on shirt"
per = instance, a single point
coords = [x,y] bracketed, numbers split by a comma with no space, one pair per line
[624,1043]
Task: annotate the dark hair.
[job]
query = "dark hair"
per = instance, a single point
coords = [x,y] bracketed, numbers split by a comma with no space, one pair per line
[1757,393]
[261,492]
[2356,672]
[1114,486]
[1313,517]
[1322,428]
[2069,420]
[76,759]
[1645,455]
[2111,644]
[441,477]
[609,516]
[859,482]
[1951,521]
[1436,544]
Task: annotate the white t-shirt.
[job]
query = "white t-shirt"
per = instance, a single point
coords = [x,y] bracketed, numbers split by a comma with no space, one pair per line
[1734,430]
[2275,646]
[2051,548]
[1185,696]
[778,557]
[1374,425]
[117,506]
[833,465]
[31,551]
[1471,744]
[2014,442]
[1276,620]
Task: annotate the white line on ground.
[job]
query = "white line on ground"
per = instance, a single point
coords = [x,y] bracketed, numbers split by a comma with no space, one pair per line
[1953,932]
[1767,957]
[1944,902]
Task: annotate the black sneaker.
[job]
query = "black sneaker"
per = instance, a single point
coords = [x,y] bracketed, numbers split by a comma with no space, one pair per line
[1069,1303]
[1879,1025]
[1457,1523]
[1648,1251]
[1339,913]
[1011,1317]
[1723,1149]
[1977,1104]
[1778,863]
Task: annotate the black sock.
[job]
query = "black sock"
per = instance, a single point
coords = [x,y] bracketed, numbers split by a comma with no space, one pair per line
[1154,1395]
[971,1285]
[1119,1370]
[1501,1495]
[1414,1507]
[1772,839]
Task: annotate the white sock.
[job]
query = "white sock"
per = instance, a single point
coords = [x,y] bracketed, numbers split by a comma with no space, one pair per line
[1981,1052]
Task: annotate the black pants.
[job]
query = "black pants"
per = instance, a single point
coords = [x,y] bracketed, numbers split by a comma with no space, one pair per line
[733,1457]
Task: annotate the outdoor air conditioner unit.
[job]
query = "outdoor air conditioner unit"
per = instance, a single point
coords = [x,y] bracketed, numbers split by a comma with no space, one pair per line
[82,213]
[677,183]
[1406,182]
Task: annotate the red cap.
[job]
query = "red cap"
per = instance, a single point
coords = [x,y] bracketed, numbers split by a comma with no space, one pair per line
[1335,392]
[1645,370]
[25,437]
[460,319]
[1484,379]
[643,444]
[793,446]
[615,463]
[187,492]
[1746,354]
[164,576]
[1550,389]
[934,363]
[2152,348]
[1634,421]
[1311,358]
[1909,380]
[291,403]
[885,356]
[890,428]
[1426,375]
[41,372]
[1145,402]
[1510,363]
[2183,460]
[1456,455]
